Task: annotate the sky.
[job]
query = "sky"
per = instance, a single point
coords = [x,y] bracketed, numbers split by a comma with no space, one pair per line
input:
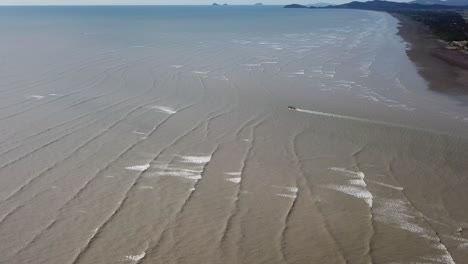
[162,2]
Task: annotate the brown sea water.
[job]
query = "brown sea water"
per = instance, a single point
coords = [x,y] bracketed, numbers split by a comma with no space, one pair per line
[163,135]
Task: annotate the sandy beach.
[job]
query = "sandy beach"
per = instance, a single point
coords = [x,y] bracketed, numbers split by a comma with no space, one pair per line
[445,69]
[188,135]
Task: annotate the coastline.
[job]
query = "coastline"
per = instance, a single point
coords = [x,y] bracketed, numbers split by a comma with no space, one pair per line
[444,69]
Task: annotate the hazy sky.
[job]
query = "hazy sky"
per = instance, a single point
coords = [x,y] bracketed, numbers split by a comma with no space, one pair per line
[161,2]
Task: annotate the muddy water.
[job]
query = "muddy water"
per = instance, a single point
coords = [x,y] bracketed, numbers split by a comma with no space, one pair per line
[163,135]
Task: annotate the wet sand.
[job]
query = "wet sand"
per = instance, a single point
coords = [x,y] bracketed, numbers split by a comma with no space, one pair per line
[160,147]
[446,70]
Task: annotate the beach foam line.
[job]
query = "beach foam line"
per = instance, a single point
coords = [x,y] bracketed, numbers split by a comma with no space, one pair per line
[164,109]
[355,191]
[292,189]
[136,257]
[195,177]
[138,132]
[138,167]
[292,196]
[201,72]
[36,96]
[301,72]
[196,159]
[188,173]
[388,185]
[358,174]
[234,180]
[357,187]
[176,173]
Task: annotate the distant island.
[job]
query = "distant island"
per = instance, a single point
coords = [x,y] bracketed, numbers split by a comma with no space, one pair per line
[258,4]
[295,6]
[321,4]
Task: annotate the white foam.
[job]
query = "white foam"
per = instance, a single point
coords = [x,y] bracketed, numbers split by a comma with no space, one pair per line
[109,176]
[290,189]
[359,174]
[37,96]
[446,258]
[269,62]
[138,167]
[356,187]
[398,212]
[164,109]
[253,65]
[372,98]
[234,180]
[292,196]
[302,72]
[192,189]
[146,187]
[345,81]
[463,245]
[462,242]
[201,72]
[138,133]
[193,173]
[136,257]
[176,173]
[196,159]
[358,182]
[233,173]
[54,94]
[401,106]
[177,66]
[389,186]
[355,191]
[195,177]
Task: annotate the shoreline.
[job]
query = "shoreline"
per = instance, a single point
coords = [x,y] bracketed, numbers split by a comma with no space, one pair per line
[445,70]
